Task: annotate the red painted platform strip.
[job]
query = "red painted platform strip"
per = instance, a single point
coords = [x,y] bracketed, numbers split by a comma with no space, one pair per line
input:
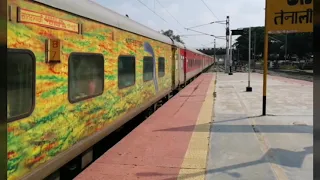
[149,147]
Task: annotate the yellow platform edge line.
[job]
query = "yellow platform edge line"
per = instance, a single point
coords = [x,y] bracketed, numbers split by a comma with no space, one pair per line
[195,160]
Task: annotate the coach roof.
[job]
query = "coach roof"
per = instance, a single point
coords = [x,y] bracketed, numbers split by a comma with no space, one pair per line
[94,11]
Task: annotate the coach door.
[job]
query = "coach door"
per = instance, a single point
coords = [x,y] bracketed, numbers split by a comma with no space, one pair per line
[175,65]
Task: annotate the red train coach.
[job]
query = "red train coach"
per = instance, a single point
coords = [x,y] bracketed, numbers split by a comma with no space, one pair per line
[192,62]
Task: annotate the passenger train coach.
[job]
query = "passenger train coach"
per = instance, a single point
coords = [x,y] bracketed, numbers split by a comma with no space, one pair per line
[77,72]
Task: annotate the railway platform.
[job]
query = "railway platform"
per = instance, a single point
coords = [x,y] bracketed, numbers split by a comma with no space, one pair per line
[212,129]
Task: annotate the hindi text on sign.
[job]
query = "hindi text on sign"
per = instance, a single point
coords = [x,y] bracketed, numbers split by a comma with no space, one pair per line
[47,20]
[296,2]
[297,17]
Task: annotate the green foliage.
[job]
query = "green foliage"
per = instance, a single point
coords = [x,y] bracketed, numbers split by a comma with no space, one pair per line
[288,67]
[297,43]
[210,51]
[170,34]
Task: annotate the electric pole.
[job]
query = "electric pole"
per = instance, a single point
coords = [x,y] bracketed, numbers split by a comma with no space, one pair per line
[230,55]
[214,54]
[214,48]
[249,88]
[254,52]
[285,47]
[227,45]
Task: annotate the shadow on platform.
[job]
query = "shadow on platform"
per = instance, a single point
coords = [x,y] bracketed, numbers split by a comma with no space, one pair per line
[243,117]
[225,128]
[277,156]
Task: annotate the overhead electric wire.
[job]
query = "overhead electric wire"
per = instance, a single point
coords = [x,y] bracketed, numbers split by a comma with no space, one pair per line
[193,35]
[171,14]
[200,32]
[156,14]
[275,39]
[210,9]
[152,11]
[204,45]
[178,21]
[201,25]
[210,43]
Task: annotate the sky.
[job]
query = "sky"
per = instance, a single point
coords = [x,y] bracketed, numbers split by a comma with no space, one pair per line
[180,14]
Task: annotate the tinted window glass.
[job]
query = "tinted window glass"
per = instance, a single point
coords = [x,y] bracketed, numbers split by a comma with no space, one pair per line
[161,67]
[20,84]
[126,71]
[147,68]
[86,76]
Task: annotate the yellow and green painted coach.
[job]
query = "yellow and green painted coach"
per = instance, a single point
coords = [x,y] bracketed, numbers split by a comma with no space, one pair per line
[76,72]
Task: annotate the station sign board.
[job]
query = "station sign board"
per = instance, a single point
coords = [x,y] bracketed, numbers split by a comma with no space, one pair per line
[289,16]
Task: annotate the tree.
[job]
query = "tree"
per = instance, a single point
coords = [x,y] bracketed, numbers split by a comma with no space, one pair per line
[170,34]
[210,51]
[299,44]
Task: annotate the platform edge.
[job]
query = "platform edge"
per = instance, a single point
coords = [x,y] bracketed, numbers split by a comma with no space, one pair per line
[195,160]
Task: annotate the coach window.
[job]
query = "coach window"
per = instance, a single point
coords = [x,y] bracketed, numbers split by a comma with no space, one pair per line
[161,67]
[126,71]
[20,83]
[86,76]
[147,68]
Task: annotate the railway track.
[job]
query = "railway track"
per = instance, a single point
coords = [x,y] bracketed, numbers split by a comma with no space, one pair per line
[289,74]
[292,75]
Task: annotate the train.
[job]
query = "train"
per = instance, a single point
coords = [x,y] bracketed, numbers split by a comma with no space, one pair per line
[77,71]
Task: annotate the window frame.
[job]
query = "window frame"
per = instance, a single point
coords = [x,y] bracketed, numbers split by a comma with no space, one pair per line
[33,58]
[135,71]
[69,68]
[164,66]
